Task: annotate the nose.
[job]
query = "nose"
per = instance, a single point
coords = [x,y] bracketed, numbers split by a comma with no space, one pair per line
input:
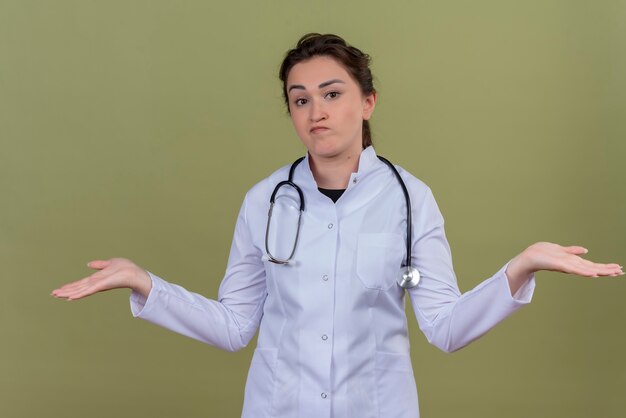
[318,112]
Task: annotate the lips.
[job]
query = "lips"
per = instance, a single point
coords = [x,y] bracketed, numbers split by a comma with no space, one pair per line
[318,129]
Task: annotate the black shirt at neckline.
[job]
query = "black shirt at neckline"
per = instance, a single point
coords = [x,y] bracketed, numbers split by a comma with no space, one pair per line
[333,194]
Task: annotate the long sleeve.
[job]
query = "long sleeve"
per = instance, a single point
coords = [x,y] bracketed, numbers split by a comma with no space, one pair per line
[450,320]
[229,322]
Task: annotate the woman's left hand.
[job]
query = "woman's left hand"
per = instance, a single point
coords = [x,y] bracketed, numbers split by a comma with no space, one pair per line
[554,257]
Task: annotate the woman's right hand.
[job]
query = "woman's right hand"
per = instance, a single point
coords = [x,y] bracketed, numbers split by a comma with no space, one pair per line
[116,273]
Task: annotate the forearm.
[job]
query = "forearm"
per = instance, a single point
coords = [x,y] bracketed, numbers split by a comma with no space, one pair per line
[466,317]
[193,315]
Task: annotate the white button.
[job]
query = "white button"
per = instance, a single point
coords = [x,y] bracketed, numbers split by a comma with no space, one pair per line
[330,226]
[324,337]
[323,395]
[325,277]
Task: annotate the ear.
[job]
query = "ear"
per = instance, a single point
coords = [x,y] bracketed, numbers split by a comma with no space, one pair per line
[369,102]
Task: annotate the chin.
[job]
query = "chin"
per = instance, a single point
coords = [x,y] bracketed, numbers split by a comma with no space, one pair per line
[324,151]
[331,146]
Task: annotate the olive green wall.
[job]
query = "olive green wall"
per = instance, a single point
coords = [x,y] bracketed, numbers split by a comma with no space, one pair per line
[134,128]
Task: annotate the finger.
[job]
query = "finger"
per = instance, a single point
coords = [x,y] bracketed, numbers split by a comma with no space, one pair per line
[95,276]
[98,264]
[593,264]
[576,249]
[585,272]
[73,293]
[578,266]
[603,268]
[97,282]
[80,295]
[609,271]
[65,288]
[65,293]
[597,270]
[87,291]
[77,283]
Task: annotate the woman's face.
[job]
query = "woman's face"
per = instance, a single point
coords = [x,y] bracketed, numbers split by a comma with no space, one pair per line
[327,108]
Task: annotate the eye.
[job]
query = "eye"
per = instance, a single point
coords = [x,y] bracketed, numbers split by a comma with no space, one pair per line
[332,94]
[300,102]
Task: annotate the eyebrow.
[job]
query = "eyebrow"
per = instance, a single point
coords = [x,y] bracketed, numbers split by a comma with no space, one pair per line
[321,86]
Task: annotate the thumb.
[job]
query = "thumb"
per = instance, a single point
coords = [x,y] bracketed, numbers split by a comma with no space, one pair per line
[575,249]
[98,264]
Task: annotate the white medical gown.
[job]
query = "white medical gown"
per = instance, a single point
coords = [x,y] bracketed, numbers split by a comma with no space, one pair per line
[332,327]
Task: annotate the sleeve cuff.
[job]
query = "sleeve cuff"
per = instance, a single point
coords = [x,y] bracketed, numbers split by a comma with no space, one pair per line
[138,303]
[525,293]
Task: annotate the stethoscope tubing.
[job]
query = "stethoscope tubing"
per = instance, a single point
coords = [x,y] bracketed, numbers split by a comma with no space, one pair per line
[409,276]
[409,221]
[288,182]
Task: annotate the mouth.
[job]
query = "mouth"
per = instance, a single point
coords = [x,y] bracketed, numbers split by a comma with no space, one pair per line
[318,129]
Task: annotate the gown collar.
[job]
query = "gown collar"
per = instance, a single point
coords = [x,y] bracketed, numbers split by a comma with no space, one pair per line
[367,161]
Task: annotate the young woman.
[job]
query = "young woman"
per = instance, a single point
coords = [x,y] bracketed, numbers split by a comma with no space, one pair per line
[326,284]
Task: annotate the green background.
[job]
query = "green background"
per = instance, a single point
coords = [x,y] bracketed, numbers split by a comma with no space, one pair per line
[134,128]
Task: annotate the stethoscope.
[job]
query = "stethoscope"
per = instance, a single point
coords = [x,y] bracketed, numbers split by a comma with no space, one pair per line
[409,276]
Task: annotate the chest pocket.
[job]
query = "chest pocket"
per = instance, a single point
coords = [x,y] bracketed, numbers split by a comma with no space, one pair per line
[379,258]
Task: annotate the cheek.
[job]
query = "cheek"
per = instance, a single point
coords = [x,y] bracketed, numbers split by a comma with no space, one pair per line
[353,115]
[299,121]
[295,118]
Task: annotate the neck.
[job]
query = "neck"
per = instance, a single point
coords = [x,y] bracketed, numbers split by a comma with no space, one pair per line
[334,173]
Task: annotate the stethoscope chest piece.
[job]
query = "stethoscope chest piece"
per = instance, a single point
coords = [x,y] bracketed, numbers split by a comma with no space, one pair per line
[409,277]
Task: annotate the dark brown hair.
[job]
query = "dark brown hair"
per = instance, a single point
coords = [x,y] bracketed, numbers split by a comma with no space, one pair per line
[353,60]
